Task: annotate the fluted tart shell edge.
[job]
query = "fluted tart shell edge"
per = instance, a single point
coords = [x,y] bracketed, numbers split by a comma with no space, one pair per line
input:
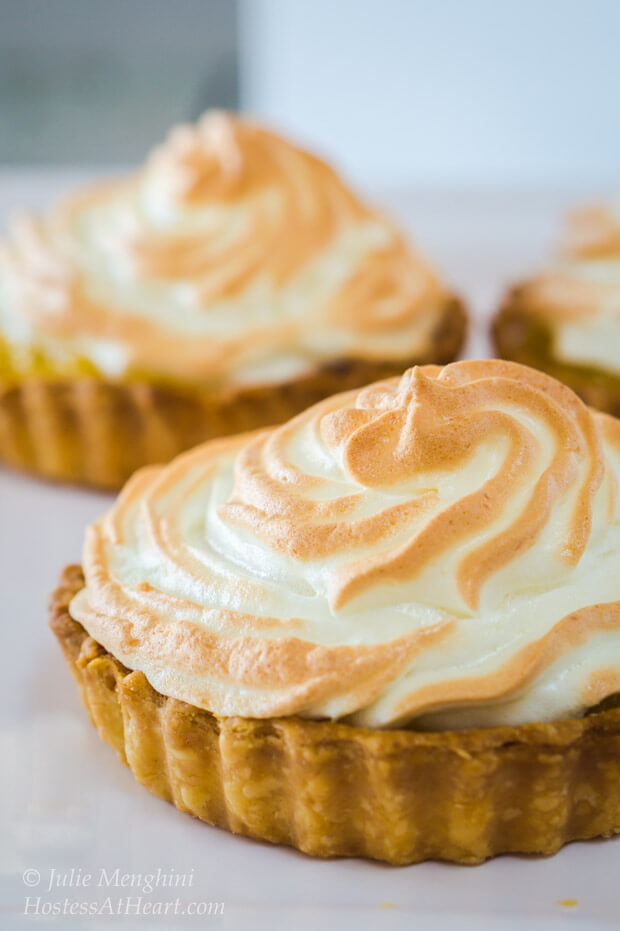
[331,789]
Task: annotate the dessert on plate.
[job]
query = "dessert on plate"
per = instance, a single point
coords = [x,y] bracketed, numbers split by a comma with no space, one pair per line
[389,628]
[566,320]
[229,283]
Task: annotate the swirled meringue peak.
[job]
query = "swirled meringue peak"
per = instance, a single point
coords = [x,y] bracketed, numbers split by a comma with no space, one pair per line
[579,296]
[232,256]
[442,549]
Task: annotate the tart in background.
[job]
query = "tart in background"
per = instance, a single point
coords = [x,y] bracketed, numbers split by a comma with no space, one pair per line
[566,321]
[388,628]
[228,284]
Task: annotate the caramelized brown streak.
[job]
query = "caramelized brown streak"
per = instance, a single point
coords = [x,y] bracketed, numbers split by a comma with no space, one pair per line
[569,633]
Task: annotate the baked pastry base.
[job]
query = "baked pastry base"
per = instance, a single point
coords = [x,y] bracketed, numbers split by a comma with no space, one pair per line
[331,789]
[98,432]
[522,336]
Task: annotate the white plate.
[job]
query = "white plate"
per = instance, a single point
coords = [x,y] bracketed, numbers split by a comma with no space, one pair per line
[66,802]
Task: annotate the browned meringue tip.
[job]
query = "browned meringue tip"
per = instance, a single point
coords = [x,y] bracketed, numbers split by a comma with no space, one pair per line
[332,789]
[593,232]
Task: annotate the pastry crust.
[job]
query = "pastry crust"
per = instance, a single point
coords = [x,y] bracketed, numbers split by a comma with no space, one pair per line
[98,432]
[331,789]
[521,335]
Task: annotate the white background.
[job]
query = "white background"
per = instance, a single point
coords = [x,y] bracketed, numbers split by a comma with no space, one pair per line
[443,92]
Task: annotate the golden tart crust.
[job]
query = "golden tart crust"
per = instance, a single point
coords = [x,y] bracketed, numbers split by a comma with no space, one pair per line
[332,789]
[98,431]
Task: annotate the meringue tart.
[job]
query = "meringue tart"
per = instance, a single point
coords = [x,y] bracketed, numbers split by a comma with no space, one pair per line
[566,321]
[231,282]
[389,628]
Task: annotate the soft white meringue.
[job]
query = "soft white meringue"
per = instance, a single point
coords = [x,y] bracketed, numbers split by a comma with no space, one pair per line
[443,548]
[231,257]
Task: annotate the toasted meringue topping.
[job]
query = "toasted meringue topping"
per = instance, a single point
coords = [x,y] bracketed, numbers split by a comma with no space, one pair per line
[579,298]
[232,256]
[443,548]
[594,233]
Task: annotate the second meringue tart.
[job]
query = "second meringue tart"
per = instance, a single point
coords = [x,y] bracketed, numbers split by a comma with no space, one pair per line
[228,284]
[389,628]
[566,320]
